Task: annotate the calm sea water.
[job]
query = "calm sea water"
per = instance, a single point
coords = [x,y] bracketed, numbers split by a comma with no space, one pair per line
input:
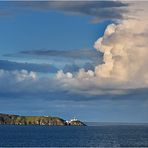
[65,136]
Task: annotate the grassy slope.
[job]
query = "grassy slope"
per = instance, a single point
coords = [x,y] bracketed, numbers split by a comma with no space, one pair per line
[41,120]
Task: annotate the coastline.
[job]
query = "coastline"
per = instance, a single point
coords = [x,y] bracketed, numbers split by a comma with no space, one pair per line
[9,119]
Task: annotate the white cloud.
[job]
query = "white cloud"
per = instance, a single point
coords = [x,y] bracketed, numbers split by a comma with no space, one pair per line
[17,75]
[125,49]
[60,74]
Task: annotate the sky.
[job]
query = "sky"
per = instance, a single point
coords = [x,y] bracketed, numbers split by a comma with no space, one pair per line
[86,59]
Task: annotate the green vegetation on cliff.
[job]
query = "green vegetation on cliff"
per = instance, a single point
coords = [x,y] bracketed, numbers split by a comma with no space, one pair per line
[35,120]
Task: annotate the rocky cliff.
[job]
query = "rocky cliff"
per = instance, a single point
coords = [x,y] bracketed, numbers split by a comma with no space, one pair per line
[77,123]
[35,120]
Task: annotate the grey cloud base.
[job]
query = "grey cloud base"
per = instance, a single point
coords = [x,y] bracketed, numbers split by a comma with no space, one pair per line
[99,10]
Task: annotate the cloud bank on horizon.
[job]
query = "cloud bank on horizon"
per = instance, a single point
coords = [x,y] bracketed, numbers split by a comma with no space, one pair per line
[123,45]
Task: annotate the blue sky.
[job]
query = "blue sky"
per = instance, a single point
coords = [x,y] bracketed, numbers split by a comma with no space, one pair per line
[52,30]
[46,50]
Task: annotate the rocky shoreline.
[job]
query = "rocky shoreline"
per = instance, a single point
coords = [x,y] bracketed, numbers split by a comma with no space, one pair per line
[9,119]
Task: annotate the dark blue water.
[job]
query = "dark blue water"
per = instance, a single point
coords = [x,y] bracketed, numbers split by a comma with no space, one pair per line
[65,136]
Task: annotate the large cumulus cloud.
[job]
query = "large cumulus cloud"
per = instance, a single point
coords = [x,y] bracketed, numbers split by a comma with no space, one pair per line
[124,47]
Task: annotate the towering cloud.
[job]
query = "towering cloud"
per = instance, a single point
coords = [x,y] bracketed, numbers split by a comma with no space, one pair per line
[125,48]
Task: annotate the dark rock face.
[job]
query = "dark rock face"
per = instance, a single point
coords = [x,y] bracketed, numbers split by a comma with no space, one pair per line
[34,120]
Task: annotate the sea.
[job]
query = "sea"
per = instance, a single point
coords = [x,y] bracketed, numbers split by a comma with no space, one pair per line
[74,136]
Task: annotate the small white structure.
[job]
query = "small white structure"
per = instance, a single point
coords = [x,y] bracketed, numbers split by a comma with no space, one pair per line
[74,119]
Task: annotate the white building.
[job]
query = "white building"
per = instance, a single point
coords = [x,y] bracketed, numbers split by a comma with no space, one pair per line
[74,119]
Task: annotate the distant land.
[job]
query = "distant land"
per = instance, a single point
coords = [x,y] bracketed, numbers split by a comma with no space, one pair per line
[37,120]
